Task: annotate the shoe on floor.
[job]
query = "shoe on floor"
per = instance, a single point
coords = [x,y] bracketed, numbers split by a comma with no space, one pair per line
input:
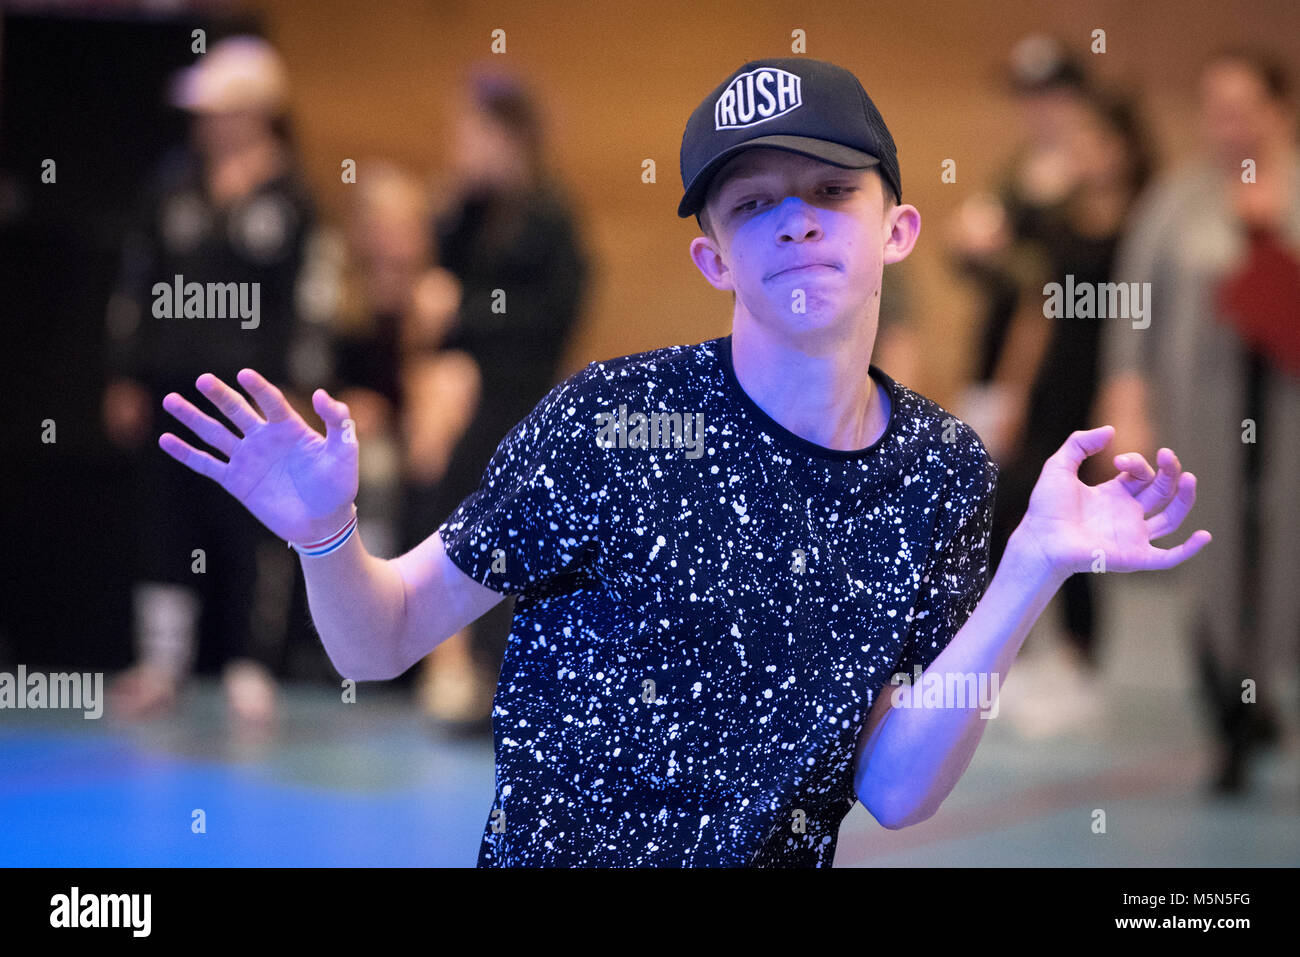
[251,692]
[143,691]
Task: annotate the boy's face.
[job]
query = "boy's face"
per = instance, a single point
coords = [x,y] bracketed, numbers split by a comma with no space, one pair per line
[770,210]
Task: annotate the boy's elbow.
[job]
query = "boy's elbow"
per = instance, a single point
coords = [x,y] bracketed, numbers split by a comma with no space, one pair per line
[898,822]
[359,675]
[365,671]
[891,812]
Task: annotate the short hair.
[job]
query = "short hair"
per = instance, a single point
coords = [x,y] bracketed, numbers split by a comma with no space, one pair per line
[702,217]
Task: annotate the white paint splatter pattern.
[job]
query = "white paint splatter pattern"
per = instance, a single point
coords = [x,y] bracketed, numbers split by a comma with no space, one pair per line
[641,565]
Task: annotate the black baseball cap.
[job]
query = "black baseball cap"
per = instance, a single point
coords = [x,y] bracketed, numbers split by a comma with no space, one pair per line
[789,103]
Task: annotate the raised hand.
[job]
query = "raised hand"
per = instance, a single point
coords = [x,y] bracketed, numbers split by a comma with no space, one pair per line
[297,483]
[1072,524]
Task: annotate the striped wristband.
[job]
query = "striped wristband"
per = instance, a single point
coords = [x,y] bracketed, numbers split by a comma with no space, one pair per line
[330,543]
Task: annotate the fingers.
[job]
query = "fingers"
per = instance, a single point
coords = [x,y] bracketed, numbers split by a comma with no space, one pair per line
[1135,471]
[201,424]
[232,405]
[1161,558]
[1162,489]
[269,399]
[1153,489]
[335,414]
[1167,521]
[192,458]
[1080,445]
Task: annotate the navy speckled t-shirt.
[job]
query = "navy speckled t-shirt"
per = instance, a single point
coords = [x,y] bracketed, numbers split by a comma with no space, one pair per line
[705,614]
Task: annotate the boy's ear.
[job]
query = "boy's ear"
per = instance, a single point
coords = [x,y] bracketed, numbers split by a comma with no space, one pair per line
[905,230]
[708,260]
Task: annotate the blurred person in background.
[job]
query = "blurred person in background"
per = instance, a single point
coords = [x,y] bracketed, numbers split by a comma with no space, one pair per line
[992,238]
[995,242]
[230,207]
[411,400]
[1218,371]
[505,229]
[1109,162]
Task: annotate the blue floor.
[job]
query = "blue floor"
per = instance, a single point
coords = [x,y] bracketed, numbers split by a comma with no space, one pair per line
[365,787]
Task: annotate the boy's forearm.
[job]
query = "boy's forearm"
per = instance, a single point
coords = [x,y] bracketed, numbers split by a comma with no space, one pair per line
[917,754]
[358,605]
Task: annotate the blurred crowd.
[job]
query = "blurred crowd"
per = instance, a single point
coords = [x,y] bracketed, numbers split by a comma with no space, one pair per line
[1212,370]
[397,312]
[439,312]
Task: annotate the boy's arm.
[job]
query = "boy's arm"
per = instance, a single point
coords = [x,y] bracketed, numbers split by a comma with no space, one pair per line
[910,758]
[377,617]
[908,764]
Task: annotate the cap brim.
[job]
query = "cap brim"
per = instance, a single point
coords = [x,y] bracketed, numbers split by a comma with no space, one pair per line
[834,153]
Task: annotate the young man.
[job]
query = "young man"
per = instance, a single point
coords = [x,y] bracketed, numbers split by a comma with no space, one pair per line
[722,552]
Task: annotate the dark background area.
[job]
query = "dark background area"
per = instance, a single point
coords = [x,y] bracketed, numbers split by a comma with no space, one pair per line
[88,93]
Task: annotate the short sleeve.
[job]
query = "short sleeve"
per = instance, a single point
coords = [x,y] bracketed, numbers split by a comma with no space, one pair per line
[957,576]
[536,514]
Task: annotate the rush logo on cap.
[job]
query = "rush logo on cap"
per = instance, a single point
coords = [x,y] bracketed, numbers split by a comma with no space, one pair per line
[756,96]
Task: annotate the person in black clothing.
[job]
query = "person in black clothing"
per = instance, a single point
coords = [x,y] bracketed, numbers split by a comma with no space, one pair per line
[991,239]
[1077,237]
[509,237]
[230,209]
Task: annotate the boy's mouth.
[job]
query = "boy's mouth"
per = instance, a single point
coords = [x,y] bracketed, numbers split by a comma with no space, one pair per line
[806,269]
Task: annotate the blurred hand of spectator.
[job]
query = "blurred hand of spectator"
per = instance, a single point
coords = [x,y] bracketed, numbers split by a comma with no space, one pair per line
[372,413]
[127,413]
[435,301]
[444,392]
[1123,404]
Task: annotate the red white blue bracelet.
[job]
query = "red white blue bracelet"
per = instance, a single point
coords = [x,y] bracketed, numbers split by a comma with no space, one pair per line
[330,543]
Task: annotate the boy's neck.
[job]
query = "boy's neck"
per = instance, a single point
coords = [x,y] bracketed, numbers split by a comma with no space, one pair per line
[818,389]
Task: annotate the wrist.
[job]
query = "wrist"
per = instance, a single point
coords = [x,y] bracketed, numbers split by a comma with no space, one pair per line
[330,525]
[1030,563]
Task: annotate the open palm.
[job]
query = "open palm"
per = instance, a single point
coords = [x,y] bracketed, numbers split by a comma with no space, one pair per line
[1075,525]
[295,481]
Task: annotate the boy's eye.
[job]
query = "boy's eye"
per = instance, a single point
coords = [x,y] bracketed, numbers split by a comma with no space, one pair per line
[842,191]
